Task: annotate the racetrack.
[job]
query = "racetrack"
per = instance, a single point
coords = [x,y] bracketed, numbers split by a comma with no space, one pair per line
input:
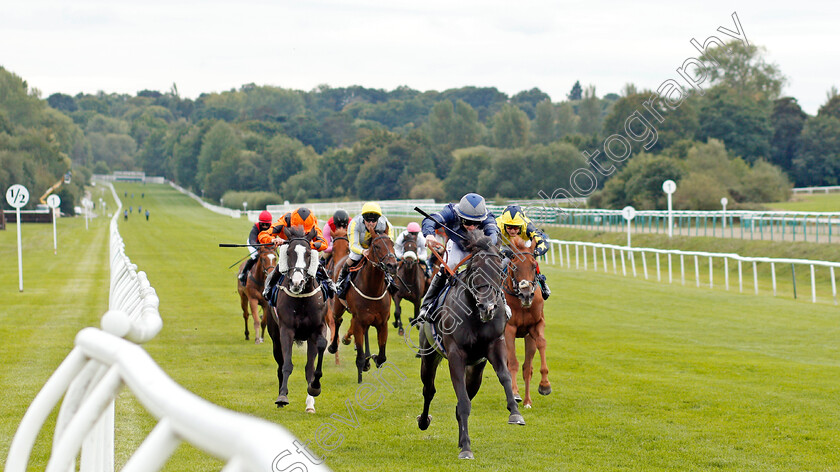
[645,375]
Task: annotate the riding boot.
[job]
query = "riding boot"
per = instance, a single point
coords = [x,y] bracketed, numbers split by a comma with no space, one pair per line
[324,279]
[344,280]
[435,287]
[391,285]
[243,276]
[270,281]
[546,292]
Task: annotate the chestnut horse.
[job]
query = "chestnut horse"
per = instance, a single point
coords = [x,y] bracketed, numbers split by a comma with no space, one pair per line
[412,283]
[341,248]
[250,294]
[298,314]
[467,329]
[369,301]
[527,320]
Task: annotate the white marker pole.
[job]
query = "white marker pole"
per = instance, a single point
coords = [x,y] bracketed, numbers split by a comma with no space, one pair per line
[53,201]
[629,213]
[18,196]
[669,186]
[723,202]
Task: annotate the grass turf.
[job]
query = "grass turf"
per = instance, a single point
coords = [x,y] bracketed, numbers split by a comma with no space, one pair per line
[646,376]
[809,202]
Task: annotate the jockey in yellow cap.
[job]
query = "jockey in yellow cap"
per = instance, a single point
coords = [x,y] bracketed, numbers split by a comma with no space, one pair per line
[513,222]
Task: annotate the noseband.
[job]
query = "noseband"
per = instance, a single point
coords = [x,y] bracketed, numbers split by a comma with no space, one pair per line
[374,251]
[517,292]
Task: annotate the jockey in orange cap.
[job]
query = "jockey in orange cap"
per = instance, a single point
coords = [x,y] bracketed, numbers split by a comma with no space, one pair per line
[301,217]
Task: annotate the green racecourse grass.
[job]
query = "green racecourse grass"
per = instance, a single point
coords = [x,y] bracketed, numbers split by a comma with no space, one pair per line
[645,376]
[809,202]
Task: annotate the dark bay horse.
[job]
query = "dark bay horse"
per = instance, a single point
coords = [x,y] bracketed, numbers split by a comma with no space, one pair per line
[298,314]
[250,294]
[467,328]
[369,301]
[341,248]
[412,283]
[527,320]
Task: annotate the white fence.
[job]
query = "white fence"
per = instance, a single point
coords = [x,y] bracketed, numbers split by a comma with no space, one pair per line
[835,188]
[102,362]
[626,261]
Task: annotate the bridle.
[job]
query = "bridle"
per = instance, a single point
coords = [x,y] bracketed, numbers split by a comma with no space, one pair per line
[304,270]
[517,285]
[468,286]
[380,262]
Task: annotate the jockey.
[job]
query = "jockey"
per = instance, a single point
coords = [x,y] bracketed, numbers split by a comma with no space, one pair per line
[513,222]
[469,214]
[360,233]
[412,231]
[340,219]
[262,224]
[300,217]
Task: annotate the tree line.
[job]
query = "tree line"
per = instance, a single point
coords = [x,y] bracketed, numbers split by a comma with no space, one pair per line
[740,139]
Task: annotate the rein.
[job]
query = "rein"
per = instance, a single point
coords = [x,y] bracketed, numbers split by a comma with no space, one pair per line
[513,282]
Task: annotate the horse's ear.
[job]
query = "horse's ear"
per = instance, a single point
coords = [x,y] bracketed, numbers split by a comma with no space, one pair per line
[311,234]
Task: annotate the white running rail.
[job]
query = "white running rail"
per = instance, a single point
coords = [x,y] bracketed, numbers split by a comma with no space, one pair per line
[101,363]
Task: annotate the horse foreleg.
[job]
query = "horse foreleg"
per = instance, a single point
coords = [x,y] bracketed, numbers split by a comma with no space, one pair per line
[263,323]
[538,333]
[277,350]
[315,348]
[497,355]
[428,369]
[367,349]
[337,319]
[286,341]
[457,372]
[243,301]
[397,311]
[255,314]
[360,352]
[382,339]
[512,362]
[527,368]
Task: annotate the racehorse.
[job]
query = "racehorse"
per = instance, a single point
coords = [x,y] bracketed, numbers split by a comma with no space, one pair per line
[369,301]
[467,329]
[528,319]
[412,283]
[298,314]
[250,294]
[341,248]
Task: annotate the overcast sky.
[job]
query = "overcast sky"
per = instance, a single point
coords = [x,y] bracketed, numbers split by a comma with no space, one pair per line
[213,46]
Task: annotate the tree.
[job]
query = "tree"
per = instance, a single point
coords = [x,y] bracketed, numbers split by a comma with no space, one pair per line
[567,121]
[544,123]
[220,143]
[527,101]
[576,93]
[742,69]
[62,102]
[639,183]
[510,127]
[787,121]
[832,106]
[743,125]
[818,159]
[589,113]
[468,165]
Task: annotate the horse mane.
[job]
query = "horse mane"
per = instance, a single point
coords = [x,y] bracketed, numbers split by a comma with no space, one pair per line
[295,231]
[477,241]
[518,243]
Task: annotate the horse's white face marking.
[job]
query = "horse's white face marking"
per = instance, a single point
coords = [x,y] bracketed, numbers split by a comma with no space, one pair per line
[270,258]
[523,284]
[297,278]
[300,263]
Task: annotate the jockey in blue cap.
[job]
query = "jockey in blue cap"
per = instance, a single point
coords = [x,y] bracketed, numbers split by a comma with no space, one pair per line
[469,214]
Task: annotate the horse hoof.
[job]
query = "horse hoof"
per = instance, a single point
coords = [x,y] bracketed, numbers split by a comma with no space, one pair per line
[246,336]
[401,331]
[517,398]
[332,349]
[396,325]
[516,418]
[282,401]
[345,341]
[367,366]
[544,390]
[528,405]
[310,410]
[466,455]
[310,405]
[424,424]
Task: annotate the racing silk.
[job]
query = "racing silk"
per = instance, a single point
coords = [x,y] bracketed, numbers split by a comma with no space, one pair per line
[527,231]
[328,229]
[421,245]
[294,219]
[456,233]
[360,237]
[253,237]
